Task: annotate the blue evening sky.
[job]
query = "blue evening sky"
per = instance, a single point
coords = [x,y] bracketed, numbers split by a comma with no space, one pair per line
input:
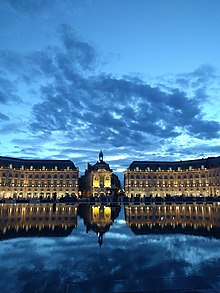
[138,79]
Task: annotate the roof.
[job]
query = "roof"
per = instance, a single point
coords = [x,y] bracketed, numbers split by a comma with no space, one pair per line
[36,164]
[195,164]
[101,165]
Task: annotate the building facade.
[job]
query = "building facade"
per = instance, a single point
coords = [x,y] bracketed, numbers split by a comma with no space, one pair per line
[195,219]
[190,178]
[28,220]
[37,178]
[99,179]
[99,218]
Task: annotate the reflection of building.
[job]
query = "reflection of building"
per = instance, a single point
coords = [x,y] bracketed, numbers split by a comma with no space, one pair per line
[98,179]
[200,219]
[194,177]
[34,178]
[99,218]
[20,220]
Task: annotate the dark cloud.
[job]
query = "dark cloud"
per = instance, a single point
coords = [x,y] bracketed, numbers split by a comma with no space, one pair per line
[120,112]
[204,129]
[4,117]
[79,52]
[8,92]
[100,110]
[201,76]
[27,6]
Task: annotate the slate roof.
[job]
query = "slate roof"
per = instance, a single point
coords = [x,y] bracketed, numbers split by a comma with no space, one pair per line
[36,164]
[101,165]
[208,163]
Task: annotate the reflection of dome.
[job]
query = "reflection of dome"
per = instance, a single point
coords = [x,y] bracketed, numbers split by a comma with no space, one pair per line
[99,218]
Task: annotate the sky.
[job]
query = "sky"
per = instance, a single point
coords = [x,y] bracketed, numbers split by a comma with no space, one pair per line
[136,79]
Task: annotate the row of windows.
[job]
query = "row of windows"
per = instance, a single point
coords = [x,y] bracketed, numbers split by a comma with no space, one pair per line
[147,169]
[37,176]
[166,177]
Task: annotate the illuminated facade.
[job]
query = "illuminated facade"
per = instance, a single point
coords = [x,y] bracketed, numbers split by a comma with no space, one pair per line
[99,218]
[200,219]
[190,178]
[20,220]
[97,180]
[37,178]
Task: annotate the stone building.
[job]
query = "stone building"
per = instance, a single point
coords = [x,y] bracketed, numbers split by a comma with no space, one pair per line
[98,180]
[99,218]
[194,219]
[37,178]
[29,220]
[190,178]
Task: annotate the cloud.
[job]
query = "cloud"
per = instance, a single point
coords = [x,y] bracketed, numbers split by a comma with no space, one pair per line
[120,112]
[32,7]
[44,264]
[88,110]
[79,51]
[8,91]
[4,117]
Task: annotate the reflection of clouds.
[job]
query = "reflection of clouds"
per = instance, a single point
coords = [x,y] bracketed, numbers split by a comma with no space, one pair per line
[39,262]
[120,236]
[120,222]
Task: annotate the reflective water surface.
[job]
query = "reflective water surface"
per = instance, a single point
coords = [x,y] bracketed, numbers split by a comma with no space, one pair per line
[109,248]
